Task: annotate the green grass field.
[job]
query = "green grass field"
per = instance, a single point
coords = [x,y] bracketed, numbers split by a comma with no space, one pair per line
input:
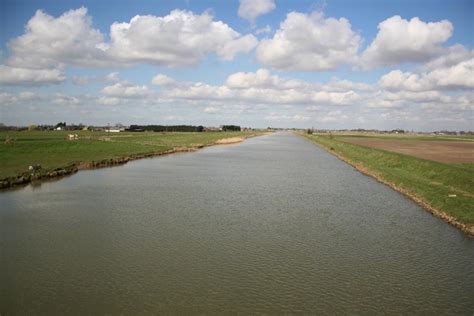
[431,181]
[52,150]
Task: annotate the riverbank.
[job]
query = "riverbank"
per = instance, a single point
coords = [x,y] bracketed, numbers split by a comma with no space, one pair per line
[59,157]
[445,190]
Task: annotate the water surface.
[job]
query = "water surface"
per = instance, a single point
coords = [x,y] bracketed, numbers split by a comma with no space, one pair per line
[272,225]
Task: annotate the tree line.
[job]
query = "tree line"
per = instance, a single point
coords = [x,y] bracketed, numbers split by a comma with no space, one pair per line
[165,128]
[177,128]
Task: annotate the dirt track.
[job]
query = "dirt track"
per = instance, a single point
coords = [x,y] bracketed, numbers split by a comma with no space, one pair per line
[441,151]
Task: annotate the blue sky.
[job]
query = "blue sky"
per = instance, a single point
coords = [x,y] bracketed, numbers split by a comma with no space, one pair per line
[327,64]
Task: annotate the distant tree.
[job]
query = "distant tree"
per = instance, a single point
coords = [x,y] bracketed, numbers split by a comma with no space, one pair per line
[165,128]
[231,128]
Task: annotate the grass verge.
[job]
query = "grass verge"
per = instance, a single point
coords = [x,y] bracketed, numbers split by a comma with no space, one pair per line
[59,156]
[446,190]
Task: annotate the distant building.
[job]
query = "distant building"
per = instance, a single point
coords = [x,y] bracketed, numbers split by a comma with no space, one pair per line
[115,130]
[212,129]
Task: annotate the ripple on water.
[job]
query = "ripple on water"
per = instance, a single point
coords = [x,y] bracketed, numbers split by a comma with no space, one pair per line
[273,225]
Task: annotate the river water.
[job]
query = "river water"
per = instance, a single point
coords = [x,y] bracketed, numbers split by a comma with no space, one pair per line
[271,225]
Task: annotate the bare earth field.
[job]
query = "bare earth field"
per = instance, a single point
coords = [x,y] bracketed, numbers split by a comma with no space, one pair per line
[441,151]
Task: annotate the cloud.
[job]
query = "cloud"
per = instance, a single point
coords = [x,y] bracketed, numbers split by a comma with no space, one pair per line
[460,76]
[310,42]
[49,42]
[261,87]
[84,80]
[252,9]
[263,30]
[450,56]
[39,56]
[398,80]
[179,39]
[81,80]
[212,110]
[163,80]
[402,41]
[457,76]
[125,90]
[260,79]
[332,116]
[65,100]
[112,77]
[26,76]
[425,102]
[25,96]
[276,117]
[108,101]
[337,85]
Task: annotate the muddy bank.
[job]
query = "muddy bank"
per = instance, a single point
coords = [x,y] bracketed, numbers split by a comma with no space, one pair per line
[469,230]
[29,177]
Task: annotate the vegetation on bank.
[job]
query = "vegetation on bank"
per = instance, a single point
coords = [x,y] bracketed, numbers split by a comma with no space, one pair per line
[448,188]
[53,150]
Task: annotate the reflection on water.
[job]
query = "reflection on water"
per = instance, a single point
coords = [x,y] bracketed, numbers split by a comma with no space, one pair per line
[274,224]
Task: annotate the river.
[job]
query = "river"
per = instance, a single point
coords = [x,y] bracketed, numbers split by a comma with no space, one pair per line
[272,225]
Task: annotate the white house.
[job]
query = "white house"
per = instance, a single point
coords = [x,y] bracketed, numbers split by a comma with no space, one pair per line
[114,130]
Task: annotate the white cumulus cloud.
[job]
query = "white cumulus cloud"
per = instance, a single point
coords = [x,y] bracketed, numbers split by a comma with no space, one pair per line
[251,9]
[27,76]
[48,41]
[450,56]
[181,38]
[212,110]
[125,90]
[108,101]
[163,80]
[262,87]
[458,76]
[262,78]
[178,39]
[403,41]
[310,42]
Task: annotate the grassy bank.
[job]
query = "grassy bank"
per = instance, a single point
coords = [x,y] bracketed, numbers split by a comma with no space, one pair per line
[447,190]
[53,151]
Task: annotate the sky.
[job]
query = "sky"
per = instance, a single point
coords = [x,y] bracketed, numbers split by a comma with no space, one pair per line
[334,64]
